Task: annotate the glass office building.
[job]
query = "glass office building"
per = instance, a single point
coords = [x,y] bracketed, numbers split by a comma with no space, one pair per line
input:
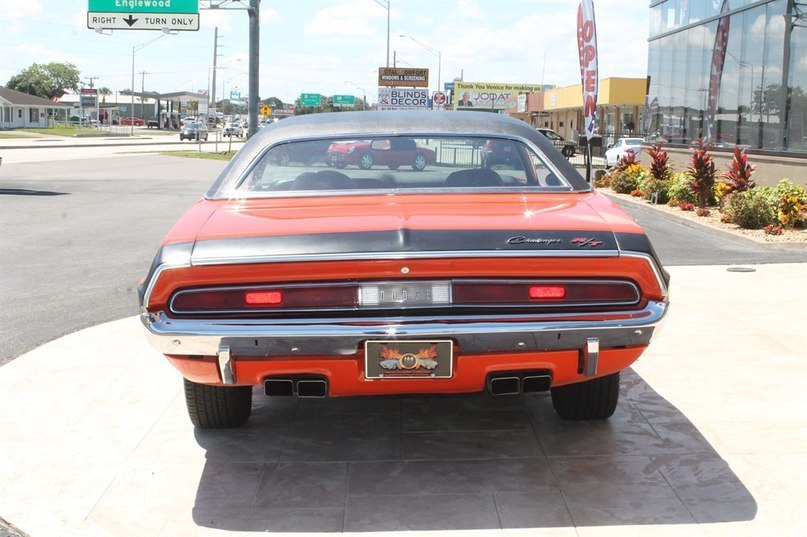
[731,71]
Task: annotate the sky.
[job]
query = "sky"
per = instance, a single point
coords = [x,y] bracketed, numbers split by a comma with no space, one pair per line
[331,46]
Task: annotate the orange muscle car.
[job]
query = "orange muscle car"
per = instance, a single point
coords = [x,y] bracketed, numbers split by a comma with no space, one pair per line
[308,281]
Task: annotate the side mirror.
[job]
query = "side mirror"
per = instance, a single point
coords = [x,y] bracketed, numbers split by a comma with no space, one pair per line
[609,146]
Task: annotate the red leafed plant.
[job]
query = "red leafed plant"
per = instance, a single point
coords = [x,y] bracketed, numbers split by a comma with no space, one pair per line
[702,171]
[686,206]
[738,176]
[703,211]
[660,167]
[627,160]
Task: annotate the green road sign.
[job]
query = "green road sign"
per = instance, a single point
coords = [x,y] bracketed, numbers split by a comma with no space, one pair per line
[344,100]
[310,99]
[144,6]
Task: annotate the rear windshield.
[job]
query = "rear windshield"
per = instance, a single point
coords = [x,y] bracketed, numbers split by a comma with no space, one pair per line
[393,163]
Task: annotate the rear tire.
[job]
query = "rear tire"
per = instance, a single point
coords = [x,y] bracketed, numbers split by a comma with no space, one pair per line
[366,161]
[217,407]
[568,151]
[594,399]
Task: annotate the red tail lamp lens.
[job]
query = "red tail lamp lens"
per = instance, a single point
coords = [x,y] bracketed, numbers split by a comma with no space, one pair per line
[263,298]
[543,292]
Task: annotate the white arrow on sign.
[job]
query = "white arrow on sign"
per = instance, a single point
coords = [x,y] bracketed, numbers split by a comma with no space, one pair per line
[181,22]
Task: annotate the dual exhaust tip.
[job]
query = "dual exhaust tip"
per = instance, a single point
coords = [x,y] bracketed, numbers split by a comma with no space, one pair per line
[510,383]
[514,383]
[303,387]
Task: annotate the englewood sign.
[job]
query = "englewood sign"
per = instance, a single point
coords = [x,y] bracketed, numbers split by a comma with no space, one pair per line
[400,77]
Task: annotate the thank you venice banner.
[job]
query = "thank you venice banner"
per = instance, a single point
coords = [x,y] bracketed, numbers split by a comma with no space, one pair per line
[589,73]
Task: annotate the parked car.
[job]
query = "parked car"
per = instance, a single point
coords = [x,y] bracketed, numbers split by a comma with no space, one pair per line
[233,130]
[392,153]
[193,131]
[129,120]
[309,281]
[567,147]
[620,148]
[153,123]
[303,153]
[78,120]
[501,153]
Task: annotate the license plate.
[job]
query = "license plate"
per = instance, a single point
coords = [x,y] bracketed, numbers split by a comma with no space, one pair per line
[408,359]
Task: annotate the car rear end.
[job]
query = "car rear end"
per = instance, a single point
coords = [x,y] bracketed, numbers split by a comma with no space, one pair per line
[326,286]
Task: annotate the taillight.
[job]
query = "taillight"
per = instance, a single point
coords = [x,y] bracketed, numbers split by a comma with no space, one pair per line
[563,293]
[263,298]
[257,299]
[539,292]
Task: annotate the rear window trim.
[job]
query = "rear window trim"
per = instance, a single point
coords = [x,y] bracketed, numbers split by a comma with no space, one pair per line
[237,193]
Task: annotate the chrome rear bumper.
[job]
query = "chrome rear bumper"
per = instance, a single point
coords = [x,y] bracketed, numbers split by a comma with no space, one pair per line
[344,336]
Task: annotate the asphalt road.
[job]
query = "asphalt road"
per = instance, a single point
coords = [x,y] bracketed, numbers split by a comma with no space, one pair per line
[77,236]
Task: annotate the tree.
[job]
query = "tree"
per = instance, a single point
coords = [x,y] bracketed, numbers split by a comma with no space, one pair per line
[104,92]
[274,103]
[46,80]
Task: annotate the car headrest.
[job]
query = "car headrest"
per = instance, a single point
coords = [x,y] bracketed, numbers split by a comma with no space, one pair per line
[552,180]
[475,177]
[322,180]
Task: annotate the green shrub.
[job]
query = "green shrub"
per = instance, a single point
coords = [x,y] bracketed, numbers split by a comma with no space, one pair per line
[678,188]
[752,209]
[624,183]
[658,186]
[790,202]
[630,179]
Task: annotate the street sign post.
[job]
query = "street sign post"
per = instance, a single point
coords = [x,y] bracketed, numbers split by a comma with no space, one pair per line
[166,15]
[310,99]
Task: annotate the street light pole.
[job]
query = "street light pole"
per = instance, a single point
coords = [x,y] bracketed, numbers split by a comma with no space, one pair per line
[363,93]
[433,51]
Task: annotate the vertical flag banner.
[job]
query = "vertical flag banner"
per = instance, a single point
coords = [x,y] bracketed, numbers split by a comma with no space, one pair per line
[716,72]
[589,73]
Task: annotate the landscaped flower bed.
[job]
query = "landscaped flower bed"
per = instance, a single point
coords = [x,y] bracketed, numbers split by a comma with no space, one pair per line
[729,201]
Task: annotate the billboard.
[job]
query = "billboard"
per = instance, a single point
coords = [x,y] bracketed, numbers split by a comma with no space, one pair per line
[405,78]
[490,95]
[403,99]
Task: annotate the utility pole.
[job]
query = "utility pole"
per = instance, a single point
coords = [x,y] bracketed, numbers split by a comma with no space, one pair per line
[254,57]
[143,83]
[91,78]
[215,58]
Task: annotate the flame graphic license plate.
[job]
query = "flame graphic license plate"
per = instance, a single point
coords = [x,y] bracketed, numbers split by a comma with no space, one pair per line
[408,359]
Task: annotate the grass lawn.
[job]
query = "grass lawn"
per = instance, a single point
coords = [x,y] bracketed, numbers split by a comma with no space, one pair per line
[197,154]
[68,131]
[8,136]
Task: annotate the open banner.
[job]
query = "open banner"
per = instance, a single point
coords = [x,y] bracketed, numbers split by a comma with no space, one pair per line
[589,72]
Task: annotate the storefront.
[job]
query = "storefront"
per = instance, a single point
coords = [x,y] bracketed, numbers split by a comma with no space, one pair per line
[718,68]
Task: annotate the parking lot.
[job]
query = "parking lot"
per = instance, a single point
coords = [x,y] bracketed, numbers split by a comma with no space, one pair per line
[95,440]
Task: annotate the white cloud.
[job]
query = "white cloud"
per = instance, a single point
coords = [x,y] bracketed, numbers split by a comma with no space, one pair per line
[468,8]
[353,19]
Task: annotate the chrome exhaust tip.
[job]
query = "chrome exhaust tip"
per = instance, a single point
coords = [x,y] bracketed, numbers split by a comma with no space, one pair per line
[536,383]
[277,387]
[504,385]
[312,388]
